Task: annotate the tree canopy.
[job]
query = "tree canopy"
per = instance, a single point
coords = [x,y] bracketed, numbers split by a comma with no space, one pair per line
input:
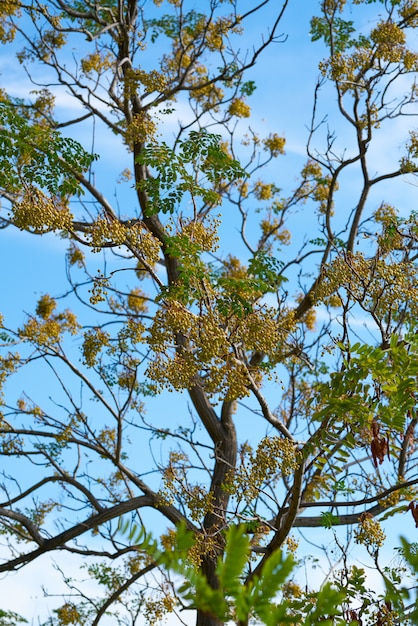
[234,354]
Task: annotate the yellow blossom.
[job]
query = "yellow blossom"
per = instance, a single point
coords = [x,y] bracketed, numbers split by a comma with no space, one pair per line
[239,108]
[274,144]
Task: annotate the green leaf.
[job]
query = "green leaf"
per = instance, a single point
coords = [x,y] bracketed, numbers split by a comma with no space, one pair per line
[197,169]
[230,569]
[328,519]
[39,155]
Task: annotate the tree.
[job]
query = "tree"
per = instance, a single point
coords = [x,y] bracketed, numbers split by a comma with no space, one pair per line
[332,441]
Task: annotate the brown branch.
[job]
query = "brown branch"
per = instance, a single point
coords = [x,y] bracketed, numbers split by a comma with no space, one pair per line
[26,522]
[59,541]
[283,522]
[268,415]
[363,501]
[340,520]
[118,592]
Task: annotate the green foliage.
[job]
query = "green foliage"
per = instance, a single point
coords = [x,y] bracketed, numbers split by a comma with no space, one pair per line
[198,167]
[328,520]
[10,618]
[168,25]
[339,32]
[255,317]
[266,269]
[248,88]
[35,154]
[138,536]
[374,382]
[239,597]
[401,595]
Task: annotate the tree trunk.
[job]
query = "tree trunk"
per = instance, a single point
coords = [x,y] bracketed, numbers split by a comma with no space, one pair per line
[208,569]
[204,619]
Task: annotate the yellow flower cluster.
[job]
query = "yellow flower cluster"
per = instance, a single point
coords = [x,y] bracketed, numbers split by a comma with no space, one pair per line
[172,318]
[217,30]
[388,284]
[50,41]
[199,502]
[68,614]
[320,193]
[274,144]
[209,346]
[64,435]
[391,236]
[234,383]
[271,230]
[175,484]
[344,68]
[386,616]
[107,437]
[94,341]
[279,450]
[316,186]
[311,170]
[204,545]
[177,373]
[263,191]
[43,106]
[7,9]
[369,119]
[168,540]
[45,306]
[99,289]
[75,256]
[127,378]
[142,129]
[292,590]
[97,63]
[205,236]
[105,231]
[239,108]
[152,81]
[155,611]
[369,533]
[203,91]
[390,40]
[38,213]
[274,456]
[136,301]
[409,12]
[49,332]
[408,162]
[259,331]
[8,365]
[49,328]
[392,499]
[234,269]
[386,214]
[133,330]
[211,340]
[291,544]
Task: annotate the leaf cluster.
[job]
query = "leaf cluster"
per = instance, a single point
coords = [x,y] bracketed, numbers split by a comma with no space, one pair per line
[240,597]
[198,168]
[35,154]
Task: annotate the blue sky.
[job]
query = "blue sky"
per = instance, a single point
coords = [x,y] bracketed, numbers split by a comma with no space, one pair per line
[285,75]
